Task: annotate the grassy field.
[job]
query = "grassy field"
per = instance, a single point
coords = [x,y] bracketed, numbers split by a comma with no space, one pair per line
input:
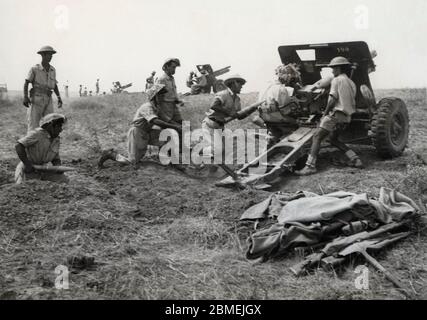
[155,233]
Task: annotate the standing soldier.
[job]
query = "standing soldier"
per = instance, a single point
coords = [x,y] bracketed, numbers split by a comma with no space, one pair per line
[80,90]
[43,79]
[150,81]
[341,105]
[85,92]
[97,86]
[168,109]
[66,89]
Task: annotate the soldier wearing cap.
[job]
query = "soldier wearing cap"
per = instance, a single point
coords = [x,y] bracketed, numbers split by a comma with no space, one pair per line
[144,131]
[168,101]
[43,79]
[341,105]
[150,81]
[40,147]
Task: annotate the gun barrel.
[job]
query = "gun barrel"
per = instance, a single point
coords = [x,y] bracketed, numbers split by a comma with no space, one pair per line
[221,71]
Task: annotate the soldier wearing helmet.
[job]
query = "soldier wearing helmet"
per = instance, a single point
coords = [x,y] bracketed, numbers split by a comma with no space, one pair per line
[43,79]
[144,130]
[40,147]
[169,101]
[226,104]
[341,105]
[276,112]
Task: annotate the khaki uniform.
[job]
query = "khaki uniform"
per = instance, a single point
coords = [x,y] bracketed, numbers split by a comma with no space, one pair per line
[215,119]
[276,112]
[168,110]
[141,134]
[41,94]
[41,150]
[343,90]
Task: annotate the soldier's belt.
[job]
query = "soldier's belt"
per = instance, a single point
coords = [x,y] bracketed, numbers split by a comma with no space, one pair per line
[41,92]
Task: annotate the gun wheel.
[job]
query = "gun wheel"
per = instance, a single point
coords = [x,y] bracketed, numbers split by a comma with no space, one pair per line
[390,127]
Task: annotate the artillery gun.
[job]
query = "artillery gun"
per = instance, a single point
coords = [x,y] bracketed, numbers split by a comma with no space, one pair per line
[383,124]
[212,83]
[118,88]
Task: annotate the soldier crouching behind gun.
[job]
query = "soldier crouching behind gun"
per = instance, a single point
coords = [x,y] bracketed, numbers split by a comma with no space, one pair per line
[276,113]
[39,147]
[142,133]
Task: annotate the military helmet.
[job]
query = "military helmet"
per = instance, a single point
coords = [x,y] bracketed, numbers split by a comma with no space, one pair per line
[51,117]
[154,90]
[46,49]
[233,78]
[339,61]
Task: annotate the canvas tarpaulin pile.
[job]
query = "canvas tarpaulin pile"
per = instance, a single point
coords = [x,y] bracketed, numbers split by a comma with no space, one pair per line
[327,224]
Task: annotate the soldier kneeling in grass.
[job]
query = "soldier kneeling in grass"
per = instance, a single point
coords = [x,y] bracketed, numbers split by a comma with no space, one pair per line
[40,147]
[142,133]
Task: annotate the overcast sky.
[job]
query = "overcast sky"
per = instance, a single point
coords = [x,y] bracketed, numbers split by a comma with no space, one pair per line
[125,40]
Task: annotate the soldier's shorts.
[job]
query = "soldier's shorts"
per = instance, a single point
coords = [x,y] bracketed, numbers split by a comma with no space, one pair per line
[331,121]
[41,105]
[138,141]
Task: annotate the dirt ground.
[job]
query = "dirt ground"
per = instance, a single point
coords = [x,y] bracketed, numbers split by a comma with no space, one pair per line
[156,233]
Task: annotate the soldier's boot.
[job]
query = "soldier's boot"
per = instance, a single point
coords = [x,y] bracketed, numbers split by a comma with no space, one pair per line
[307,170]
[354,160]
[109,154]
[310,167]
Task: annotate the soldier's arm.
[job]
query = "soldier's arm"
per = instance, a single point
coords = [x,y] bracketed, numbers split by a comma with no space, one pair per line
[22,154]
[56,90]
[217,105]
[26,97]
[330,104]
[164,124]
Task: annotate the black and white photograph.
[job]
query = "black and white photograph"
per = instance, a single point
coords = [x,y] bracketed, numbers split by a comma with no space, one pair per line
[222,152]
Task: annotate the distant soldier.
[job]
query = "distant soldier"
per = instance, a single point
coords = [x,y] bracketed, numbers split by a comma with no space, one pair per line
[66,89]
[150,81]
[85,92]
[40,147]
[142,133]
[341,105]
[168,109]
[197,84]
[97,86]
[43,79]
[90,93]
[80,90]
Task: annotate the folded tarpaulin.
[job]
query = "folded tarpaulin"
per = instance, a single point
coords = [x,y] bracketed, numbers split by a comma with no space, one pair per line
[302,221]
[308,207]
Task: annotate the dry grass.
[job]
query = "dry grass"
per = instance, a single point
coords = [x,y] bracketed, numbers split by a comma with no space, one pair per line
[157,234]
